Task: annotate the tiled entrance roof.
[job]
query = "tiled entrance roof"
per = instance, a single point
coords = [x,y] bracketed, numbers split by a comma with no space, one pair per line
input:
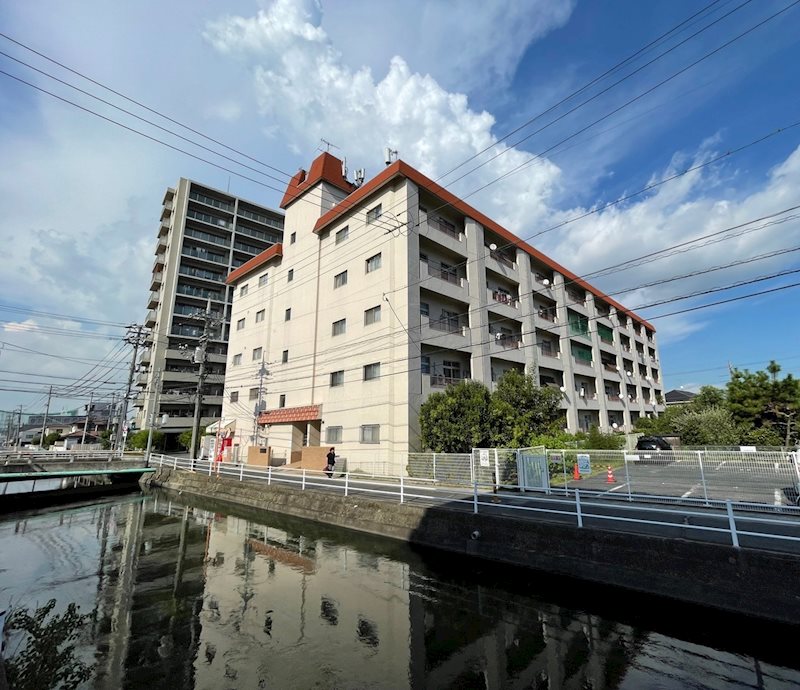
[287,415]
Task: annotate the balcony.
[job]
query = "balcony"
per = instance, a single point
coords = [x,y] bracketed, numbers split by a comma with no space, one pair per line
[158,263]
[145,358]
[447,326]
[442,273]
[579,361]
[502,259]
[150,319]
[153,300]
[445,227]
[201,274]
[216,221]
[451,286]
[549,352]
[611,366]
[156,280]
[442,381]
[207,237]
[205,255]
[507,341]
[201,293]
[166,210]
[503,297]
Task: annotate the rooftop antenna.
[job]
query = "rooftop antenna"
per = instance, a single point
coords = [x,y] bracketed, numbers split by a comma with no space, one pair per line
[328,146]
[389,155]
[359,176]
[344,168]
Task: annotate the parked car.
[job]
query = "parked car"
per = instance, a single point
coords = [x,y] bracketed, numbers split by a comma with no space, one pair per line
[652,443]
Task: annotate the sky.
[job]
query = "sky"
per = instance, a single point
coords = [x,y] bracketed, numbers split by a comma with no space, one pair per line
[599,132]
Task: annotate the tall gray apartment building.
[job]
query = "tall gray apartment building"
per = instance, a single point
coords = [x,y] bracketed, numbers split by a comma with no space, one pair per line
[203,235]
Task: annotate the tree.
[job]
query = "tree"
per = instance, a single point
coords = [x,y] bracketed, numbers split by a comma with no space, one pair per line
[597,440]
[456,420]
[520,410]
[185,439]
[711,426]
[48,658]
[708,396]
[105,439]
[138,439]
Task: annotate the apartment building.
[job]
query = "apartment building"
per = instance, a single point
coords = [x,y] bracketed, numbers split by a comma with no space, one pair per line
[203,235]
[384,293]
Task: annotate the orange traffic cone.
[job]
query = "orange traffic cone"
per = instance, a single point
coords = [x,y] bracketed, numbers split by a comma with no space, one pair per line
[575,473]
[610,476]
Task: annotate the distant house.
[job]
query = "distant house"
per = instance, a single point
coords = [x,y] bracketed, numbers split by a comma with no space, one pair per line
[73,440]
[678,397]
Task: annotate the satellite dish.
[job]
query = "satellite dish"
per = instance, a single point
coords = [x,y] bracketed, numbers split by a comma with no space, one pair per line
[493,246]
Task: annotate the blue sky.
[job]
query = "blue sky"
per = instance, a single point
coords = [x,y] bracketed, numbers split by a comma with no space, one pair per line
[81,197]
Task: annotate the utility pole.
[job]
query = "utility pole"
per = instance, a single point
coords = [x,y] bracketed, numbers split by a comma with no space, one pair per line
[262,372]
[200,358]
[44,421]
[19,427]
[137,337]
[153,406]
[88,417]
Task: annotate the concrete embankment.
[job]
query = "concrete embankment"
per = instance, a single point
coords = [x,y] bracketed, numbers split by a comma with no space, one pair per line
[755,583]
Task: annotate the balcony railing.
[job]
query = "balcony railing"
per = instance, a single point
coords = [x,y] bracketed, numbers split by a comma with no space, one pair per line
[610,366]
[257,234]
[549,352]
[583,362]
[444,226]
[447,274]
[201,273]
[613,397]
[501,258]
[446,326]
[442,381]
[205,255]
[192,291]
[547,313]
[210,201]
[207,237]
[576,298]
[504,298]
[606,340]
[508,341]
[208,218]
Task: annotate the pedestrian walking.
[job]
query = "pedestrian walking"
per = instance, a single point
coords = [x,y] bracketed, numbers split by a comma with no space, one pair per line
[331,456]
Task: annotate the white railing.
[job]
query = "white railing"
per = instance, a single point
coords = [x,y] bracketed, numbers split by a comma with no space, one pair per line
[578,506]
[9,457]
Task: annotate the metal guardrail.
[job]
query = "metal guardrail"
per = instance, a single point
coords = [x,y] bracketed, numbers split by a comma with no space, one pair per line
[578,506]
[8,457]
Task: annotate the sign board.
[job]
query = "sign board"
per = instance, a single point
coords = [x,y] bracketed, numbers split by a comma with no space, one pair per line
[584,463]
[483,455]
[633,458]
[747,449]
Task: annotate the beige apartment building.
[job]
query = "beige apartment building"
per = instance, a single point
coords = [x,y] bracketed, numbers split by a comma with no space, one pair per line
[203,235]
[385,292]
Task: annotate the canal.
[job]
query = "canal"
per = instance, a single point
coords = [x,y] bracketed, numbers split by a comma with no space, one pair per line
[187,595]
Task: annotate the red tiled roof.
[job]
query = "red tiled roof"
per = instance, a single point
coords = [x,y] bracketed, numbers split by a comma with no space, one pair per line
[324,167]
[400,168]
[287,415]
[254,263]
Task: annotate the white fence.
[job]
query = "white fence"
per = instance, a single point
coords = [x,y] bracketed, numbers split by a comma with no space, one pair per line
[732,523]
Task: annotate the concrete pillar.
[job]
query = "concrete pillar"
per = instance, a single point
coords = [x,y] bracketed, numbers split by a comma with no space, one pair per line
[479,316]
[571,395]
[527,311]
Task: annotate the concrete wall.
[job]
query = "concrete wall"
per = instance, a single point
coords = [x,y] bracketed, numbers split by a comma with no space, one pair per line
[754,583]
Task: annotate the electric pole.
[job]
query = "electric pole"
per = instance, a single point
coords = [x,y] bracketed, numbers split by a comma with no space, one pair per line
[44,421]
[137,337]
[88,417]
[154,391]
[200,358]
[19,427]
[262,372]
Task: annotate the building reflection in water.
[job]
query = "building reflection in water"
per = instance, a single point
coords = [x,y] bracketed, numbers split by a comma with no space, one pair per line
[186,598]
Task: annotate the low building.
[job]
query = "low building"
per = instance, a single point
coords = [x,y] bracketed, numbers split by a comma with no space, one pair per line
[384,293]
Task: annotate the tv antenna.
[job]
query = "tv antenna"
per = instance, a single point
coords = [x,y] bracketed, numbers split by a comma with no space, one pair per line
[328,145]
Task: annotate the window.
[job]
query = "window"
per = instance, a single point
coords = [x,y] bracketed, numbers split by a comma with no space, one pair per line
[287,315]
[372,371]
[339,327]
[333,434]
[337,378]
[253,395]
[290,275]
[243,290]
[263,280]
[451,369]
[240,324]
[339,280]
[237,359]
[424,309]
[373,263]
[342,235]
[259,316]
[372,315]
[234,396]
[293,238]
[370,433]
[257,352]
[285,357]
[425,364]
[282,400]
[374,213]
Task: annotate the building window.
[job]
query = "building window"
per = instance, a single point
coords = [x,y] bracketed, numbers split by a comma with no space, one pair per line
[339,280]
[234,396]
[257,352]
[373,263]
[372,371]
[282,400]
[333,434]
[259,316]
[285,357]
[287,315]
[342,235]
[237,359]
[263,280]
[372,315]
[243,290]
[339,327]
[370,433]
[293,238]
[374,213]
[253,395]
[337,378]
[424,309]
[425,364]
[290,275]
[240,324]
[451,370]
